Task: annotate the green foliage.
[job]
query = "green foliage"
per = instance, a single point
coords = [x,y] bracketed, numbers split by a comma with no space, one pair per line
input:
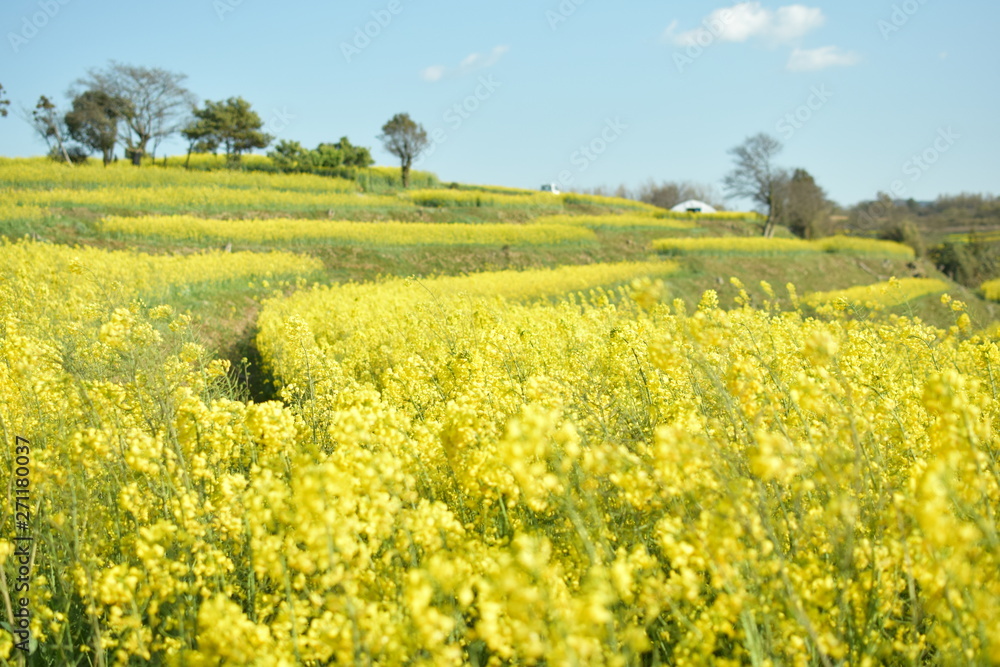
[971,263]
[406,139]
[94,121]
[905,231]
[294,157]
[231,124]
[342,154]
[290,156]
[805,210]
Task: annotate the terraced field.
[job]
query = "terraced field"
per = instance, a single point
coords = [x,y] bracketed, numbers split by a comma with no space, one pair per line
[275,419]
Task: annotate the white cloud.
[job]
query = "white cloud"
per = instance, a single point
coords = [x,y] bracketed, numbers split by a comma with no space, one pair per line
[747,20]
[793,22]
[810,60]
[433,73]
[471,63]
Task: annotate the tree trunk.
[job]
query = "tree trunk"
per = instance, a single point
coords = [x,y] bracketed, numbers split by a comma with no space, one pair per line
[406,174]
[137,157]
[62,145]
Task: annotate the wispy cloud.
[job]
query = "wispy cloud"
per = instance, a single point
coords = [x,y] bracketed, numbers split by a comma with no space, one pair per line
[471,63]
[810,60]
[749,20]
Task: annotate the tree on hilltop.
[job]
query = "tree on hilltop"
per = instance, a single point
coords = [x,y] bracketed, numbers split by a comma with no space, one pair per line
[156,102]
[806,210]
[231,124]
[49,124]
[95,120]
[756,177]
[406,139]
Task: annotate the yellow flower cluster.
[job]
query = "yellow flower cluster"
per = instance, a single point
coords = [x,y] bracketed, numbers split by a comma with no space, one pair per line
[513,197]
[758,245]
[44,173]
[448,197]
[749,216]
[198,198]
[11,211]
[210,161]
[861,246]
[991,290]
[90,272]
[612,202]
[470,470]
[375,233]
[616,221]
[892,293]
[754,245]
[604,483]
[502,189]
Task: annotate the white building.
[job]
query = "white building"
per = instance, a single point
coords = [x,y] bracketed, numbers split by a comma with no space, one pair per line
[693,206]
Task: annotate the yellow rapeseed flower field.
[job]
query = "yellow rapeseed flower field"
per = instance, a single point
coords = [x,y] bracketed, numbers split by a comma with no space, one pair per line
[991,290]
[44,173]
[754,245]
[464,471]
[749,216]
[59,268]
[616,221]
[862,246]
[209,199]
[543,467]
[612,480]
[891,293]
[338,231]
[615,202]
[448,197]
[12,211]
[758,245]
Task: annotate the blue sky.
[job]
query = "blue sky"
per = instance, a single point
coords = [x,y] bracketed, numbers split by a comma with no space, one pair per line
[867,95]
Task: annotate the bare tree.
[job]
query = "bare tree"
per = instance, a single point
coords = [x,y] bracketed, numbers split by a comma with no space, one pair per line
[48,122]
[157,103]
[668,194]
[406,139]
[756,177]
